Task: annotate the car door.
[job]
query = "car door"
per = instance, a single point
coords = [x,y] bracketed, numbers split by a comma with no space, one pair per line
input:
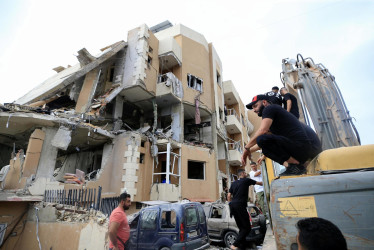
[133,240]
[148,229]
[192,230]
[217,222]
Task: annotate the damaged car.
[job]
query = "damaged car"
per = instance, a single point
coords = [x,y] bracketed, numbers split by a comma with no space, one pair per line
[169,226]
[222,227]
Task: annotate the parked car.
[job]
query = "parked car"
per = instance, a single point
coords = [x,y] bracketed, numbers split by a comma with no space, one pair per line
[222,227]
[169,226]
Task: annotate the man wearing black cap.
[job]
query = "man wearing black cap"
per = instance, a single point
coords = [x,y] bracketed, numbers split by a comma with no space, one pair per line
[291,143]
[238,197]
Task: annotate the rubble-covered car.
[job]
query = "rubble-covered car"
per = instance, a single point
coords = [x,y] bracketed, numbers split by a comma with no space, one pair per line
[222,227]
[169,226]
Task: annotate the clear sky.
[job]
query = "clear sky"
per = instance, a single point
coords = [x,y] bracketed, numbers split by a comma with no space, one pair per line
[251,38]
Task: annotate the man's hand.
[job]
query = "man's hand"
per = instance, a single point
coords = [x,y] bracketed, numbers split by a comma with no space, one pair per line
[246,154]
[262,158]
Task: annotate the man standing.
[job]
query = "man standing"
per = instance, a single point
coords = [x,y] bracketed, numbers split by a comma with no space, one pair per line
[238,197]
[290,102]
[291,143]
[256,175]
[274,96]
[119,229]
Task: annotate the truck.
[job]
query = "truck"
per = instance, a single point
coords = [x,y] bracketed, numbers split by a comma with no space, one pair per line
[339,183]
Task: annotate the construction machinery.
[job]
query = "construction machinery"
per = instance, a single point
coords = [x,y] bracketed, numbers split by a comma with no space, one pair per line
[339,183]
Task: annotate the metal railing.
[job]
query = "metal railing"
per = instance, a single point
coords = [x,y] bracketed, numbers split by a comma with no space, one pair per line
[86,199]
[233,112]
[236,145]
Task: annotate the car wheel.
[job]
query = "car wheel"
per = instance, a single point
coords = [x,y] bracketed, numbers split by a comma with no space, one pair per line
[230,238]
[164,248]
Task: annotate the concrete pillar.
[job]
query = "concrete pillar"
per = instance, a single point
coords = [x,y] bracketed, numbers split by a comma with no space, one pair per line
[215,147]
[177,122]
[168,147]
[88,90]
[48,155]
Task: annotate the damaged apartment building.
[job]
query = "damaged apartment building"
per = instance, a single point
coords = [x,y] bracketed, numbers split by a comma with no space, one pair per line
[150,116]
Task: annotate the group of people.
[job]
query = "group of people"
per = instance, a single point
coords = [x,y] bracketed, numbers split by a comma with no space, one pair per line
[285,140]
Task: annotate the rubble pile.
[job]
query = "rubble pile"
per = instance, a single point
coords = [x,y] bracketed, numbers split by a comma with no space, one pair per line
[66,213]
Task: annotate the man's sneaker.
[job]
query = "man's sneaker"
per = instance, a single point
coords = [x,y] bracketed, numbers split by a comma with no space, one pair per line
[294,169]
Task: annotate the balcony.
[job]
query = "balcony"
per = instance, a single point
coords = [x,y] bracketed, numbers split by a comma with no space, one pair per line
[230,94]
[169,53]
[169,89]
[235,153]
[165,192]
[249,127]
[233,125]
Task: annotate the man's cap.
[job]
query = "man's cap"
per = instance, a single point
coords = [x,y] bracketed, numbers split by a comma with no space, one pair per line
[256,99]
[275,87]
[240,171]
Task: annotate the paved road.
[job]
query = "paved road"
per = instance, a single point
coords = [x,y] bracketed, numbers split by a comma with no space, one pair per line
[221,246]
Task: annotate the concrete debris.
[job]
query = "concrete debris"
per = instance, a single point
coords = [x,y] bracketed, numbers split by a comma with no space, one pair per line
[62,138]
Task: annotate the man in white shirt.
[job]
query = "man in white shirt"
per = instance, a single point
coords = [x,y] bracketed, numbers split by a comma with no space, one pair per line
[257,176]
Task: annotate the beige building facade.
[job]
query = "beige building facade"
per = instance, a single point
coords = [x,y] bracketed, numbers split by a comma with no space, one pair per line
[150,116]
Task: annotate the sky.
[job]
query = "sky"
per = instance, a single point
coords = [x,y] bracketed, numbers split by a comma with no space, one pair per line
[250,37]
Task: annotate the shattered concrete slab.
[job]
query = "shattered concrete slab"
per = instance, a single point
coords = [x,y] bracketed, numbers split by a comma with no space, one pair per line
[62,138]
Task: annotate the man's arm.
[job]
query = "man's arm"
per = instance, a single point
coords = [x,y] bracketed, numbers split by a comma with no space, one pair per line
[252,146]
[259,183]
[257,173]
[113,228]
[289,104]
[229,197]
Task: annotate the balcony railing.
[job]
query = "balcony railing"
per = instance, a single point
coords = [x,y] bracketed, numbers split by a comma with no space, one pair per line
[233,125]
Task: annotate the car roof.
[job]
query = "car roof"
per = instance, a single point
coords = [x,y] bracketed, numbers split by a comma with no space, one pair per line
[174,206]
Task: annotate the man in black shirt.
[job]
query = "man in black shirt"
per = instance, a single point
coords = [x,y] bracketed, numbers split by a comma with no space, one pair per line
[274,96]
[291,143]
[290,102]
[238,197]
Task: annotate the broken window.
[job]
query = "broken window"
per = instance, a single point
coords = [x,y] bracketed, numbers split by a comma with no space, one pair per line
[149,219]
[150,49]
[218,78]
[191,215]
[196,170]
[216,212]
[195,82]
[168,219]
[111,73]
[141,159]
[149,61]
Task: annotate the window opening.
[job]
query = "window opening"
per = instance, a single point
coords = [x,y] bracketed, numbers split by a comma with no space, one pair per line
[170,167]
[196,170]
[195,82]
[150,49]
[149,61]
[168,219]
[138,205]
[216,213]
[141,159]
[218,78]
